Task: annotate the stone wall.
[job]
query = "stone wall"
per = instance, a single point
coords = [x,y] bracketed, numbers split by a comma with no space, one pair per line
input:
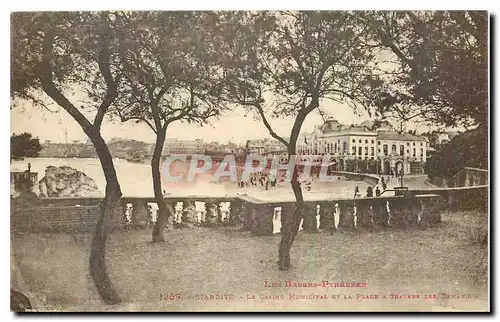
[402,211]
[81,214]
[460,198]
[63,215]
[371,179]
[23,182]
[420,207]
[469,177]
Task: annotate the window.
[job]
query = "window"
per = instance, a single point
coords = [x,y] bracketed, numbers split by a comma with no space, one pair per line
[379,142]
[393,149]
[359,141]
[353,141]
[408,143]
[372,158]
[413,143]
[353,150]
[408,151]
[373,141]
[373,151]
[366,150]
[414,152]
[366,141]
[386,152]
[360,150]
[401,150]
[421,143]
[378,151]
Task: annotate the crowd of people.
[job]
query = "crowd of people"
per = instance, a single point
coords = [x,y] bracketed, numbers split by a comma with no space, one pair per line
[268,181]
[260,179]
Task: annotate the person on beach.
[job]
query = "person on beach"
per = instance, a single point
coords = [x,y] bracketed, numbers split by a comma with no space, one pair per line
[369,192]
[377,192]
[356,191]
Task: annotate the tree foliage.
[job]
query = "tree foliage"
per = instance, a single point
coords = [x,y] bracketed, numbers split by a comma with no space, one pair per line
[286,64]
[24,145]
[438,62]
[58,54]
[168,73]
[468,149]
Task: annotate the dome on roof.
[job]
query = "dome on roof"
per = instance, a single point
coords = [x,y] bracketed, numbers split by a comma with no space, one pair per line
[367,123]
[331,125]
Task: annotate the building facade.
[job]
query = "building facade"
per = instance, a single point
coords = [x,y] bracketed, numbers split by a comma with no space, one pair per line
[359,148]
[264,146]
[176,146]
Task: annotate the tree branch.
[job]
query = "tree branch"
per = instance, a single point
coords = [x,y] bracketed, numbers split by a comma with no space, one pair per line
[51,90]
[143,119]
[111,86]
[268,126]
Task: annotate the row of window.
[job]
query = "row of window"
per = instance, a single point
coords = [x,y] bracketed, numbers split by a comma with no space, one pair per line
[307,152]
[366,141]
[373,141]
[386,152]
[359,151]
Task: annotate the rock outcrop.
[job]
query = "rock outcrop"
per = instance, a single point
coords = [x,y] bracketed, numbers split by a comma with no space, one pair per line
[65,181]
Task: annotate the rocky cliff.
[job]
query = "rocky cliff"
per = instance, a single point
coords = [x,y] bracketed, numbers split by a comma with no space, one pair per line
[67,182]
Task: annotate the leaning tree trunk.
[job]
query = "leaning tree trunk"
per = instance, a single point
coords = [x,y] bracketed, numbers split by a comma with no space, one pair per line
[111,202]
[291,224]
[161,218]
[113,192]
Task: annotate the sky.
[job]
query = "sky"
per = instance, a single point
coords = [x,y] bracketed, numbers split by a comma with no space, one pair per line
[232,126]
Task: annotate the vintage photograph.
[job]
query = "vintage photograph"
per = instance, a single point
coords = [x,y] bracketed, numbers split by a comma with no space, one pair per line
[249,161]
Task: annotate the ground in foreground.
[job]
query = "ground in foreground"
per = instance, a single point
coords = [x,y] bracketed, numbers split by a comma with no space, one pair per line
[223,269]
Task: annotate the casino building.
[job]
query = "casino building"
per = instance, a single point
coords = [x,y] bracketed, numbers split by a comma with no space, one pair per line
[365,148]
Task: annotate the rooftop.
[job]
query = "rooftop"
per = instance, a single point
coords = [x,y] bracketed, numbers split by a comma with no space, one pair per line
[395,136]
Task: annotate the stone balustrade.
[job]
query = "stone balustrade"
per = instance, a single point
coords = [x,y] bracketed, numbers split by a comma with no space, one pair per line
[186,211]
[23,181]
[263,217]
[52,214]
[257,216]
[473,198]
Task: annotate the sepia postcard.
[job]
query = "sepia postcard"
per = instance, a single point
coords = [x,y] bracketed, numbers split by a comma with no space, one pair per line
[249,161]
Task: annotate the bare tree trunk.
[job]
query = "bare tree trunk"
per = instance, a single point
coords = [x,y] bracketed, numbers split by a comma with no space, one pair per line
[111,201]
[113,192]
[291,226]
[162,216]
